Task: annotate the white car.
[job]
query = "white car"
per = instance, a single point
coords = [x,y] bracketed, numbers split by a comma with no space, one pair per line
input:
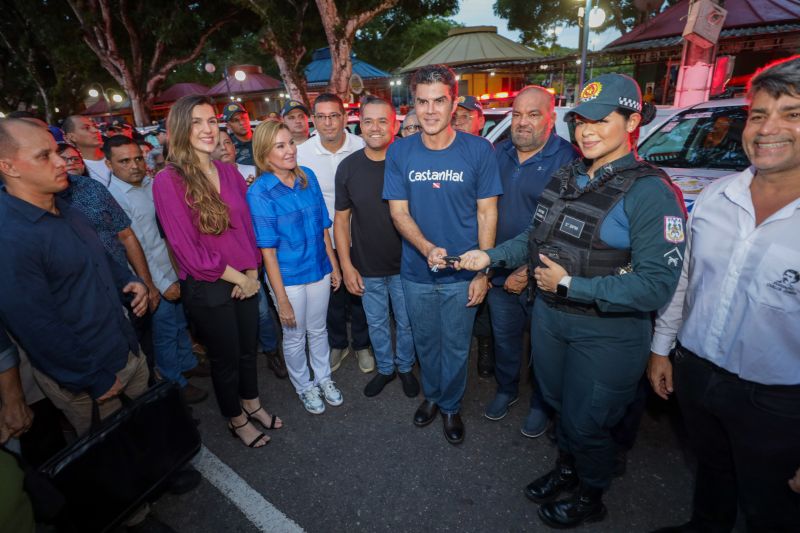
[699,144]
[694,145]
[498,128]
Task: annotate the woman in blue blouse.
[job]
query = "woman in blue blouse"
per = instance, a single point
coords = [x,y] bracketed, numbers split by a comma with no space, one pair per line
[290,220]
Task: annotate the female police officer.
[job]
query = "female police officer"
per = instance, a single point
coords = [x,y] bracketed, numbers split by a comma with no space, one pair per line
[605,248]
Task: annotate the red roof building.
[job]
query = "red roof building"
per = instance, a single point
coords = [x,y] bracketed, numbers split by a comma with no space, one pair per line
[178,90]
[755,32]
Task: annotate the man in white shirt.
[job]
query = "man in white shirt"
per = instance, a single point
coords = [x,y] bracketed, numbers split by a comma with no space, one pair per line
[322,153]
[133,190]
[83,133]
[736,369]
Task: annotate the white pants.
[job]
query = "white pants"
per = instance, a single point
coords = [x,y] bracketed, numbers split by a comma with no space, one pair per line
[310,305]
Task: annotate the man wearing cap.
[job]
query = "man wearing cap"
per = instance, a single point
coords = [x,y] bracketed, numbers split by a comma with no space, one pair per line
[469,115]
[295,116]
[322,153]
[238,122]
[469,119]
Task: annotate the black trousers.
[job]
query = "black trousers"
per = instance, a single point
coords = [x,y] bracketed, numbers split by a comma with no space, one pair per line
[339,305]
[747,440]
[229,330]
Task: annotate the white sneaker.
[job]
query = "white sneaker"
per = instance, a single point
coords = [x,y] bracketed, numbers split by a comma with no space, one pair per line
[332,395]
[312,401]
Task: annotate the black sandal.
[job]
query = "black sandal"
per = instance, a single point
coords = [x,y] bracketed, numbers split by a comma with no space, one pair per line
[253,443]
[272,419]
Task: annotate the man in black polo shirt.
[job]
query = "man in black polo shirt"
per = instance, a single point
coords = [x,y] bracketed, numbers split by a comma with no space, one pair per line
[371,268]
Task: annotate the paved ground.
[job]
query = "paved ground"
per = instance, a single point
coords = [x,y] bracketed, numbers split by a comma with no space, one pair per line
[364,467]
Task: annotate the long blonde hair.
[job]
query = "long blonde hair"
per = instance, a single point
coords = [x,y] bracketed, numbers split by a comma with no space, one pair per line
[211,213]
[264,140]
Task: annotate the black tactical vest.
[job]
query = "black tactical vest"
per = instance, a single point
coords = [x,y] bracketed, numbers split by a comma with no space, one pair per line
[567,222]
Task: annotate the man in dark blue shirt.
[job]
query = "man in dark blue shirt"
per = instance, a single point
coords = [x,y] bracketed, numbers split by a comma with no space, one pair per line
[61,291]
[526,163]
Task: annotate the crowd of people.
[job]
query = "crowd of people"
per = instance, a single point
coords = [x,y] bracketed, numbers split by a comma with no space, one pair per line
[122,257]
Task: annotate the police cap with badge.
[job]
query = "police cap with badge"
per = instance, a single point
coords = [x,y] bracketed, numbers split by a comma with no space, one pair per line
[470,103]
[607,93]
[232,109]
[291,105]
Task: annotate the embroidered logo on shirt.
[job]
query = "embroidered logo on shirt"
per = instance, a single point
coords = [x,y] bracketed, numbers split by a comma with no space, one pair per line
[674,257]
[572,226]
[787,282]
[673,229]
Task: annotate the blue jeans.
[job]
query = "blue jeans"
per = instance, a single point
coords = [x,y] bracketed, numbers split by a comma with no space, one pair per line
[511,317]
[266,324]
[441,324]
[171,342]
[378,292]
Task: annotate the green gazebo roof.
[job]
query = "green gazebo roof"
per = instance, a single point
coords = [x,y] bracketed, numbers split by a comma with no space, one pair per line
[476,44]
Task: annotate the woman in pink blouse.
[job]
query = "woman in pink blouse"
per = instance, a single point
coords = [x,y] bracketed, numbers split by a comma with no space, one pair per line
[201,206]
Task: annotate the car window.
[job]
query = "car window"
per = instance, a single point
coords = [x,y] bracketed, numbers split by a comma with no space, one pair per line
[704,138]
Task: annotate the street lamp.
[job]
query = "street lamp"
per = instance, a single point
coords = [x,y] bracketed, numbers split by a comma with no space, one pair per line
[94,93]
[239,76]
[593,17]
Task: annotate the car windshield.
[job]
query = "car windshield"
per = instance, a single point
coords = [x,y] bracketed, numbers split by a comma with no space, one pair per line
[705,138]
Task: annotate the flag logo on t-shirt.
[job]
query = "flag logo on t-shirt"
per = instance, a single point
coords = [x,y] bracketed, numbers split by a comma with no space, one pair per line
[437,185]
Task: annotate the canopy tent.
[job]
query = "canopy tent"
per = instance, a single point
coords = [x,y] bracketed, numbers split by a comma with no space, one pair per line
[178,90]
[101,107]
[473,45]
[255,82]
[745,18]
[319,70]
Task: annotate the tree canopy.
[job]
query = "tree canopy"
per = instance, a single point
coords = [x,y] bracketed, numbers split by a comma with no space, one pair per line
[536,19]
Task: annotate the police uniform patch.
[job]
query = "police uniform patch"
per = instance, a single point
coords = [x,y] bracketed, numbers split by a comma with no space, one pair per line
[673,229]
[460,100]
[591,91]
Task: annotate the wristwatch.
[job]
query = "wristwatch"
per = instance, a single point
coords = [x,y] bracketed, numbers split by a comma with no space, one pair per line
[562,289]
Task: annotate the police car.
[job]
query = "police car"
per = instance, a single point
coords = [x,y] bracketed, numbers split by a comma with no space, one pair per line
[699,144]
[694,145]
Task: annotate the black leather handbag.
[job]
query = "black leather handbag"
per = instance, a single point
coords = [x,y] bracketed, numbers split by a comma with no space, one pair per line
[125,458]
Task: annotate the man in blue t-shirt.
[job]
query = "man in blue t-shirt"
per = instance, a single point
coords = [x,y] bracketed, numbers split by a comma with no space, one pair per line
[442,188]
[526,162]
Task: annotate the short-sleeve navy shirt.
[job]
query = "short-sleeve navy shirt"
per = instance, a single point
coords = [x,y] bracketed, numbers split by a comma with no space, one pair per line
[442,188]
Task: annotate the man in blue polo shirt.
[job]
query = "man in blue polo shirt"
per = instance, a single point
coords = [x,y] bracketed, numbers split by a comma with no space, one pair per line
[442,187]
[526,162]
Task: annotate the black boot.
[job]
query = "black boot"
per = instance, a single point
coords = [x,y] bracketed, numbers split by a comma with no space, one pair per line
[550,485]
[485,357]
[586,505]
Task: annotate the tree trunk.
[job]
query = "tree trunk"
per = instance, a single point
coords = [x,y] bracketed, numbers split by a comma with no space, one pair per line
[141,116]
[48,111]
[341,33]
[341,69]
[295,82]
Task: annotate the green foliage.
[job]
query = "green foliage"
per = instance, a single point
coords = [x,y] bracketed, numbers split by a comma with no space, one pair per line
[391,44]
[230,47]
[535,19]
[41,49]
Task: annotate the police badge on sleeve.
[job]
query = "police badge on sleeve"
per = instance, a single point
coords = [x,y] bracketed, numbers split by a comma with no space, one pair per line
[673,229]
